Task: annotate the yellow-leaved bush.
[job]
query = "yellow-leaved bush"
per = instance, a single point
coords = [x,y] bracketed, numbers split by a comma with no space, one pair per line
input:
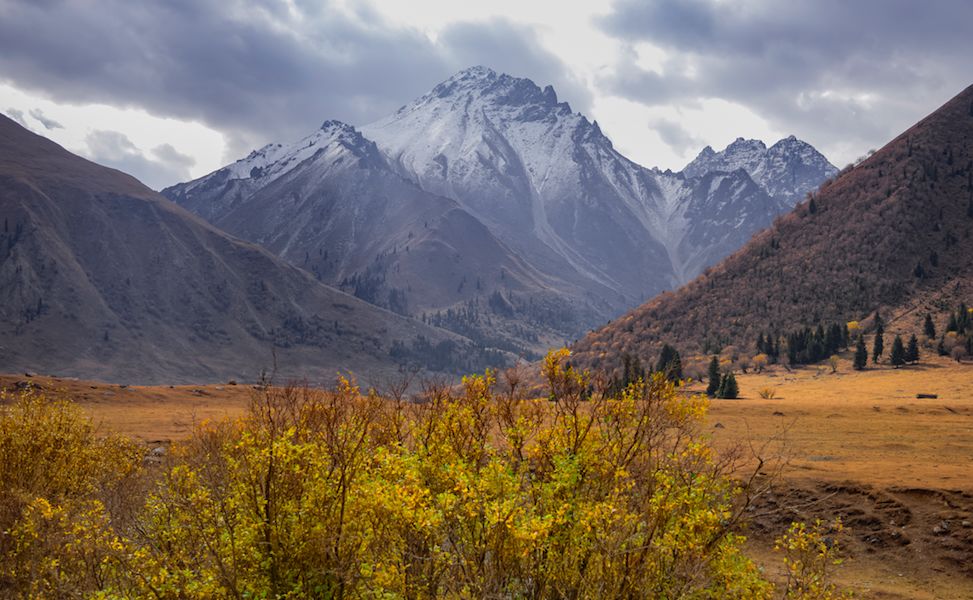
[64,493]
[475,492]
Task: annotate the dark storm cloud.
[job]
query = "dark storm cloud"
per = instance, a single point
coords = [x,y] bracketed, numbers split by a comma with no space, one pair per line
[256,71]
[825,69]
[162,167]
[48,123]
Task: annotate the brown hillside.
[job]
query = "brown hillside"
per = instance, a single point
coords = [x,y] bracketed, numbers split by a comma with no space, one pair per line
[101,277]
[891,233]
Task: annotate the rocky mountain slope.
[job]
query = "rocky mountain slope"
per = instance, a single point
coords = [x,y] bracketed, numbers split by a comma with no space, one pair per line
[894,233]
[568,231]
[102,277]
[331,204]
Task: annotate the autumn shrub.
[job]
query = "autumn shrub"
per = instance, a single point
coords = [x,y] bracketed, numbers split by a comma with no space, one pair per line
[479,491]
[811,553]
[64,492]
[476,493]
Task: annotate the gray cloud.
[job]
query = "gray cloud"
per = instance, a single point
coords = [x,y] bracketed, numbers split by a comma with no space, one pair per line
[828,70]
[48,123]
[257,71]
[163,167]
[675,136]
[169,155]
[17,115]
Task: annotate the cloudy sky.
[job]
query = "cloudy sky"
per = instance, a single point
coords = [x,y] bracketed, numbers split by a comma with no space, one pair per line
[173,89]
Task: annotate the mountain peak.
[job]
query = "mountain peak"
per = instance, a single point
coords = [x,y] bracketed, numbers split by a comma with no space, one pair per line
[349,137]
[332,125]
[476,72]
[337,144]
[787,170]
[744,144]
[501,89]
[791,141]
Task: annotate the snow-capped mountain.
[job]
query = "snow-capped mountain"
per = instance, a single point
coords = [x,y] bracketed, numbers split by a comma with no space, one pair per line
[332,148]
[787,170]
[567,231]
[330,204]
[543,178]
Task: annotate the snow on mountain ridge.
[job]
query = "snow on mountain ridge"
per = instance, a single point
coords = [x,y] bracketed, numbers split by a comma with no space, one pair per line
[602,231]
[512,155]
[331,141]
[787,170]
[529,167]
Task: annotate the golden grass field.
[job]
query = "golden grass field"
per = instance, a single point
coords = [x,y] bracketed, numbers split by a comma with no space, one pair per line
[856,444]
[862,445]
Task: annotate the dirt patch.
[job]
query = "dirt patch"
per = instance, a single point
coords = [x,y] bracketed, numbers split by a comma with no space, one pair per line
[899,542]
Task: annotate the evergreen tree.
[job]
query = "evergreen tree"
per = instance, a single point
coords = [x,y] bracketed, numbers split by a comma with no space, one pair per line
[837,339]
[714,377]
[941,347]
[669,363]
[897,355]
[878,347]
[912,350]
[632,370]
[728,387]
[879,323]
[861,354]
[929,328]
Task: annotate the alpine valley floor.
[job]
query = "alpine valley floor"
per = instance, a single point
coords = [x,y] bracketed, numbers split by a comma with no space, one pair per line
[897,469]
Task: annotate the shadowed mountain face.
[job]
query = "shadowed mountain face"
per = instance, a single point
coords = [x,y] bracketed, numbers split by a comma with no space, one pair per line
[894,233]
[552,230]
[101,277]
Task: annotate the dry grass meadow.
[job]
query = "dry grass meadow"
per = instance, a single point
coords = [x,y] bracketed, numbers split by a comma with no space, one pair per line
[898,469]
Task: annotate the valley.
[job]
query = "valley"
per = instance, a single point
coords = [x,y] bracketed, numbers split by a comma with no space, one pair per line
[492,209]
[521,300]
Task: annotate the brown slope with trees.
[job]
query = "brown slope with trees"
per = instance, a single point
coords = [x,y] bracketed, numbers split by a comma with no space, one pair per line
[894,233]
